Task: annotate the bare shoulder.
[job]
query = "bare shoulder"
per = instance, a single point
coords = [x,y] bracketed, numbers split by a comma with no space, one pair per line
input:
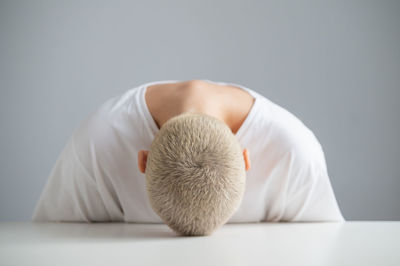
[192,88]
[165,100]
[231,104]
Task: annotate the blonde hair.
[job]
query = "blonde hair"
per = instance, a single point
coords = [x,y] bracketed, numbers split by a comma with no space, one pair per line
[195,174]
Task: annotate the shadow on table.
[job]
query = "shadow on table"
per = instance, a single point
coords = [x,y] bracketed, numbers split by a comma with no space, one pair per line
[105,231]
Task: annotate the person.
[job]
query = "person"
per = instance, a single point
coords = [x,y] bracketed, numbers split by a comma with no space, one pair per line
[194,154]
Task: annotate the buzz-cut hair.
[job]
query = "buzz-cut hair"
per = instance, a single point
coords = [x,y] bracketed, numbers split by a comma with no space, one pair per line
[195,174]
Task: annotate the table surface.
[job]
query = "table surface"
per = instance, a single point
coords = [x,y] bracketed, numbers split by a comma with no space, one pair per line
[350,243]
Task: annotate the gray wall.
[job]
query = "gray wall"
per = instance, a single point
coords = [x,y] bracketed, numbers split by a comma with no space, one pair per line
[335,65]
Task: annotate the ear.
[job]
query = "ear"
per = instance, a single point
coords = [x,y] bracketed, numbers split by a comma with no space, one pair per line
[142,160]
[246,158]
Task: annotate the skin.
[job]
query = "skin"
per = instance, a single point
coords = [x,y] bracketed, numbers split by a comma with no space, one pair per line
[227,103]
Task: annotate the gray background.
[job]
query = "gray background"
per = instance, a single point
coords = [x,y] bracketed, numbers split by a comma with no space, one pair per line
[335,65]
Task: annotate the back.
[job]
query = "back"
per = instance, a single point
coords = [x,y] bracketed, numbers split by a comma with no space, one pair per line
[96,177]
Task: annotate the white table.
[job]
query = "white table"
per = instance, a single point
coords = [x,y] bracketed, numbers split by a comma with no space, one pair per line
[350,243]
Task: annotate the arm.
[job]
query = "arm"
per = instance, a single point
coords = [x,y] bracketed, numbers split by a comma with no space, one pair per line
[309,195]
[70,194]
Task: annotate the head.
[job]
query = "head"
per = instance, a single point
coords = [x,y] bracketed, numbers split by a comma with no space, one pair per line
[195,173]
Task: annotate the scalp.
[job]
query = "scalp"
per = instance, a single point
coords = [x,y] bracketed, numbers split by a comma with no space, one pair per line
[195,173]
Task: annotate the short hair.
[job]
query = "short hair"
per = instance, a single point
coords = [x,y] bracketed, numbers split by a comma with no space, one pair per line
[195,174]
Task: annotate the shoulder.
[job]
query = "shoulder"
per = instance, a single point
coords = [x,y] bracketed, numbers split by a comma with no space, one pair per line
[293,137]
[274,129]
[116,119]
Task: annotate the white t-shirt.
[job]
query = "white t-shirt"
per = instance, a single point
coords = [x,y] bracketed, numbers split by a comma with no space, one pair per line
[96,177]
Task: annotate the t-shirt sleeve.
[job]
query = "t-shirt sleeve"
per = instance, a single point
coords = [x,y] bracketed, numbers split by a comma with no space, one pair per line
[70,194]
[309,194]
